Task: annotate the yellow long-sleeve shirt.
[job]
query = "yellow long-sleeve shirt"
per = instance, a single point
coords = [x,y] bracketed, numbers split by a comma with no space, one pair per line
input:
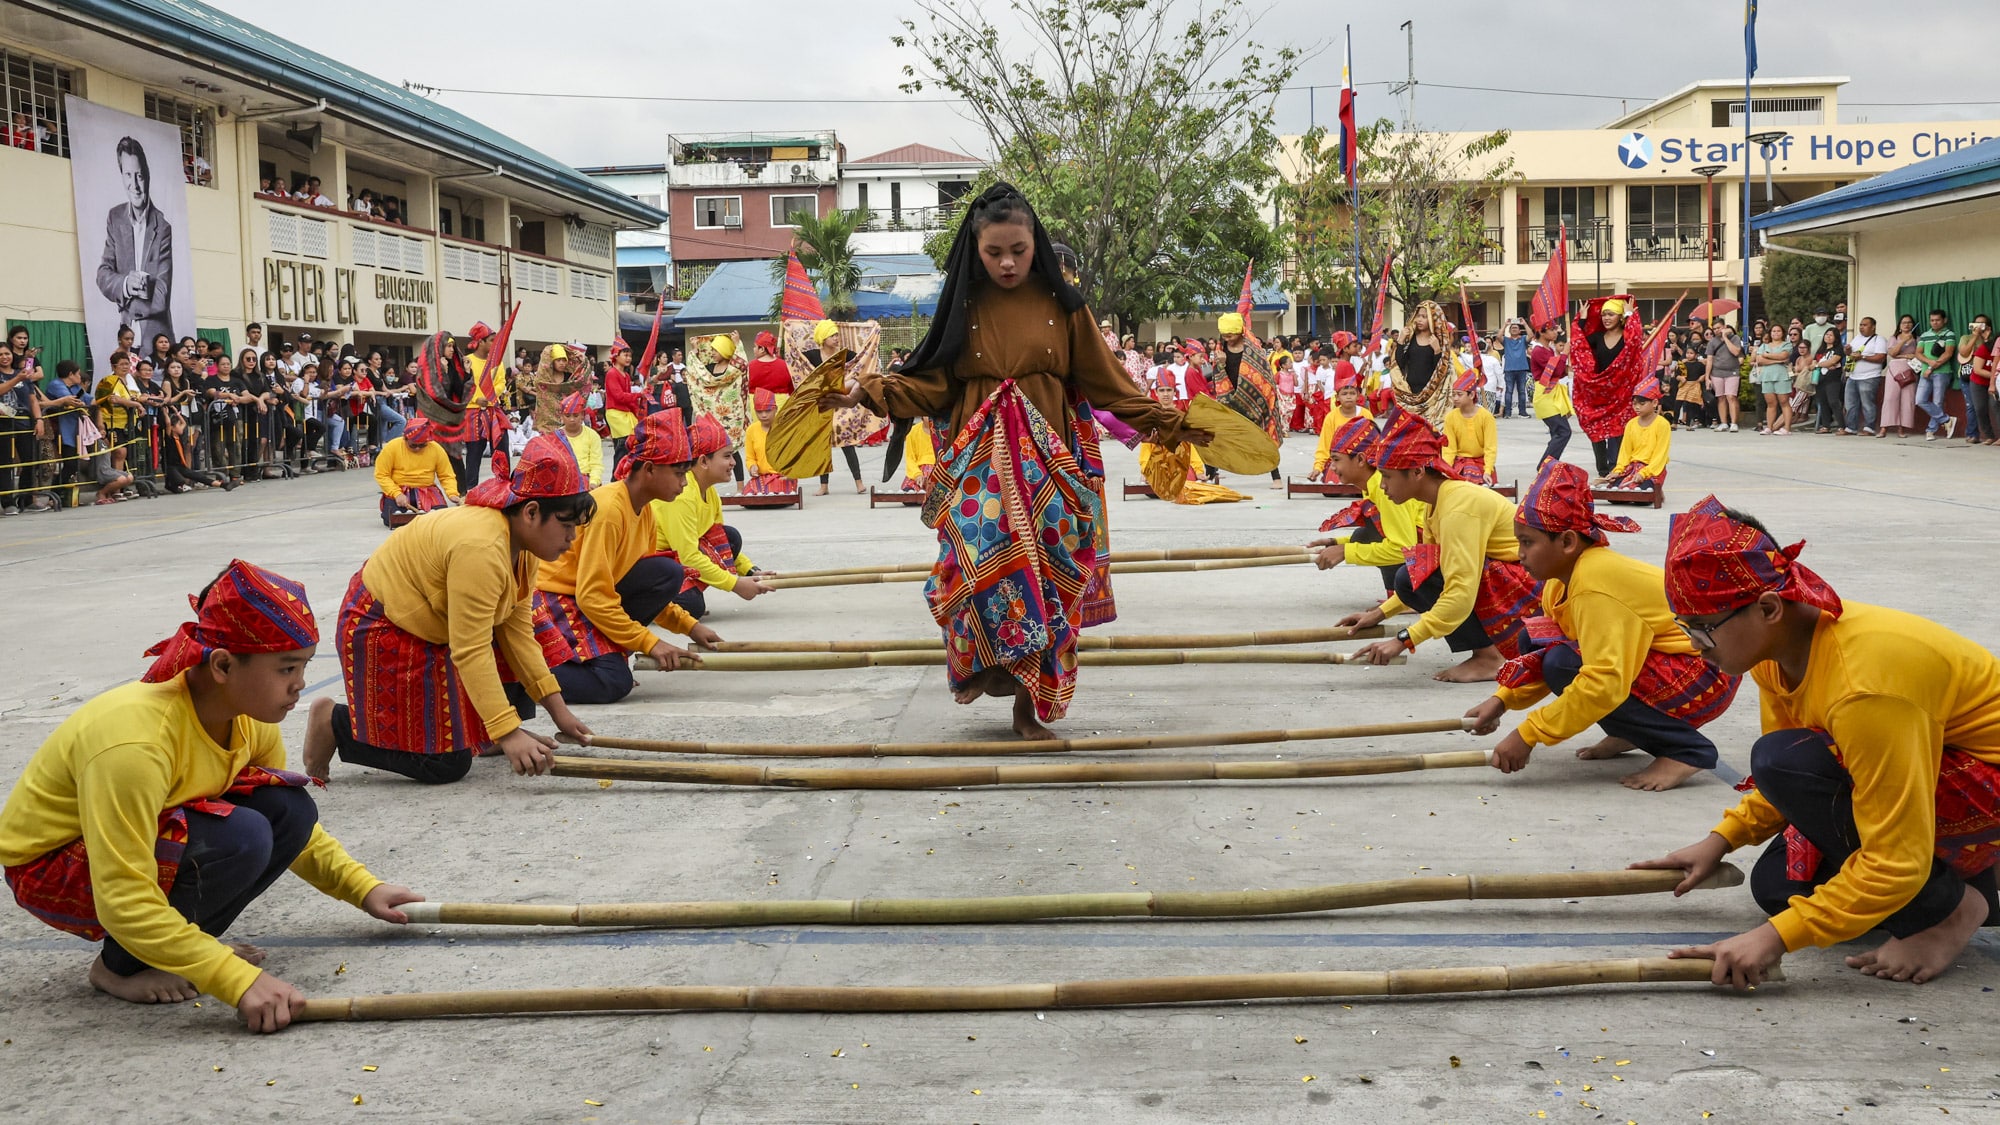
[452,579]
[106,775]
[1892,690]
[919,452]
[1615,609]
[399,468]
[603,552]
[476,368]
[589,449]
[755,459]
[1470,524]
[1646,444]
[1399,528]
[1334,421]
[680,525]
[1474,436]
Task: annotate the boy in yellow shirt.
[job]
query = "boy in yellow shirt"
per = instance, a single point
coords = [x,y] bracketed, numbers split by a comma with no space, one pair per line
[1471,437]
[764,480]
[919,457]
[690,529]
[414,473]
[1642,452]
[1346,408]
[1465,576]
[1383,529]
[1607,648]
[594,605]
[1879,762]
[583,441]
[161,809]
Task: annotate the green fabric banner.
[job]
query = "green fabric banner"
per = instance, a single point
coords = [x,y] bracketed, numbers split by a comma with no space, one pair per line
[58,339]
[1961,301]
[216,335]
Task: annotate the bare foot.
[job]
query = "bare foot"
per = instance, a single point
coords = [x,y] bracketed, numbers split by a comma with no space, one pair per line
[1926,955]
[859,487]
[1026,724]
[1662,775]
[319,749]
[147,986]
[1483,665]
[969,693]
[821,492]
[1609,748]
[248,952]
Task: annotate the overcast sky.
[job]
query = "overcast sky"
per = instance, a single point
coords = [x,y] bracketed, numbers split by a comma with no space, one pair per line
[819,51]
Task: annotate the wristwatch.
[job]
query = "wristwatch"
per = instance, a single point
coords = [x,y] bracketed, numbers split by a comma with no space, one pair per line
[1409,645]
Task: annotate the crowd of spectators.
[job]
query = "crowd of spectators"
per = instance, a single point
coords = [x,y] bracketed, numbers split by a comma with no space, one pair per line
[307,192]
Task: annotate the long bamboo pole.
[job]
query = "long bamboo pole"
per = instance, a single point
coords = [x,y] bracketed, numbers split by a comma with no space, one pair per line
[981,749]
[955,777]
[1126,992]
[1177,554]
[927,658]
[1083,644]
[1159,566]
[1035,908]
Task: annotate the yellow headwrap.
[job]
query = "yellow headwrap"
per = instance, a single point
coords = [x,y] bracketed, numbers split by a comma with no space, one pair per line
[1229,324]
[558,352]
[825,330]
[1614,306]
[724,346]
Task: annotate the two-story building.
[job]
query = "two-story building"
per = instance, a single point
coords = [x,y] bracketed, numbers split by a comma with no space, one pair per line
[430,220]
[735,196]
[1652,202]
[908,193]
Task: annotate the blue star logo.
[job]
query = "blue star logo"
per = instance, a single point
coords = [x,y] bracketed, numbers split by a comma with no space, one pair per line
[1635,150]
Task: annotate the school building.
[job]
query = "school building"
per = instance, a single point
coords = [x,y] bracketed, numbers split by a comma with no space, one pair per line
[1652,202]
[482,221]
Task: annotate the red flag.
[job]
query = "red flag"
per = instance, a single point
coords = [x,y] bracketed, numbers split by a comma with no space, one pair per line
[1244,301]
[1471,329]
[496,415]
[645,368]
[1381,305]
[1656,344]
[801,299]
[1551,301]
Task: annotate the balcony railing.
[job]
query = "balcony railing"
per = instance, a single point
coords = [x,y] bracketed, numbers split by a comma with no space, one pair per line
[1673,242]
[1588,243]
[908,218]
[1493,247]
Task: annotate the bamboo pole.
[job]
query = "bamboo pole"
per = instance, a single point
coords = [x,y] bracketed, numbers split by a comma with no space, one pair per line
[1018,746]
[1035,908]
[954,777]
[928,658]
[1084,644]
[1126,992]
[1153,566]
[1177,554]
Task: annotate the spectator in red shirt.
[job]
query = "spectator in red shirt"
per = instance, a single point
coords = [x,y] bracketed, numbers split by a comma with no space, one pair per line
[767,371]
[620,398]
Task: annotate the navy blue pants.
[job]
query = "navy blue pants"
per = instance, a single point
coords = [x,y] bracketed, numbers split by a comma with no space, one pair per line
[230,860]
[1559,433]
[1366,534]
[645,592]
[1635,721]
[1797,772]
[1469,635]
[691,599]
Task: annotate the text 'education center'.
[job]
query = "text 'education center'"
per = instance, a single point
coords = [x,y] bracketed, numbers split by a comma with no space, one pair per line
[1632,193]
[484,222]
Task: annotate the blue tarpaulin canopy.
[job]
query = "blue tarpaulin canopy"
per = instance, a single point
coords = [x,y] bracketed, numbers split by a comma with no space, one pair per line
[892,286]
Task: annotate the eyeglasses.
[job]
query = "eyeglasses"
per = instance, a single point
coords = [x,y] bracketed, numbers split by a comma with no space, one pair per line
[1703,636]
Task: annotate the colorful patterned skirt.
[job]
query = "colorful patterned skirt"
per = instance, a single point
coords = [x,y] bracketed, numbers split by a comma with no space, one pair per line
[1634,476]
[564,633]
[428,498]
[1508,596]
[56,887]
[1470,469]
[715,544]
[1968,818]
[1019,546]
[1679,684]
[769,484]
[403,692]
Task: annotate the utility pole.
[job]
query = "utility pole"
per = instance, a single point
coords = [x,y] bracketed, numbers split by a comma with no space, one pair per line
[1408,87]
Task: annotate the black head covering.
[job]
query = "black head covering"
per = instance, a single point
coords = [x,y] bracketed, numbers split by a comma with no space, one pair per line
[963,272]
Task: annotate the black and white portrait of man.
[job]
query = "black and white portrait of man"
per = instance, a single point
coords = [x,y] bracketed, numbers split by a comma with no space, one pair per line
[134,240]
[136,271]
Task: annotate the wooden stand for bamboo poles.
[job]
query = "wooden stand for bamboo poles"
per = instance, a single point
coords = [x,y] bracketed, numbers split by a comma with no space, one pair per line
[1018,746]
[958,777]
[1178,554]
[1085,643]
[1038,908]
[928,658]
[1128,992]
[1143,566]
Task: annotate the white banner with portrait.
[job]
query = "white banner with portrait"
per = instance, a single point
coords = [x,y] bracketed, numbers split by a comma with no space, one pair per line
[131,228]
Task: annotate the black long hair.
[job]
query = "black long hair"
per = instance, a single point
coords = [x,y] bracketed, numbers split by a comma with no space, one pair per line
[963,271]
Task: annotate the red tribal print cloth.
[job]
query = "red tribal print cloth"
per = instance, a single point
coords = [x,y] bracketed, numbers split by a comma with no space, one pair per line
[1507,596]
[403,692]
[1603,399]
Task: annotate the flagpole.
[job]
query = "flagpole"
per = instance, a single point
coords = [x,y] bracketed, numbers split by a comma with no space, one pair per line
[1749,69]
[1354,181]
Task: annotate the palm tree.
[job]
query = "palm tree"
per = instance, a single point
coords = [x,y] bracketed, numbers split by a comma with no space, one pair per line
[826,249]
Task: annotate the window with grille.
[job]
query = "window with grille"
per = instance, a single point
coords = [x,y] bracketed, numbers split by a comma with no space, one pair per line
[591,241]
[1769,111]
[718,211]
[197,126]
[785,209]
[31,92]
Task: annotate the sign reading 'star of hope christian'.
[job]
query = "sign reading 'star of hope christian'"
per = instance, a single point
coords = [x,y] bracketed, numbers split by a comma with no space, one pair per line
[1870,148]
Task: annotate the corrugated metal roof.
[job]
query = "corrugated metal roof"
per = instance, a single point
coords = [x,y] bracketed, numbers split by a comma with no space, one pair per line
[197,29]
[741,292]
[918,154]
[1970,166]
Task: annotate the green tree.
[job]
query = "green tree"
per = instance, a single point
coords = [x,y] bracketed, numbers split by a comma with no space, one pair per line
[1795,285]
[1423,196]
[1142,136]
[826,249]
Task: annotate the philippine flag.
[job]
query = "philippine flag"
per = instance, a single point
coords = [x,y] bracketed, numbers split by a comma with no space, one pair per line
[1348,154]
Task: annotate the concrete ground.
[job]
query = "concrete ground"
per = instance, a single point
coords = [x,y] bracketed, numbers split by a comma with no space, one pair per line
[1898,522]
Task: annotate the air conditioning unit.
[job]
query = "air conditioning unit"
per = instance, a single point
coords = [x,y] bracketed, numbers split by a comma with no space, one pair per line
[732,222]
